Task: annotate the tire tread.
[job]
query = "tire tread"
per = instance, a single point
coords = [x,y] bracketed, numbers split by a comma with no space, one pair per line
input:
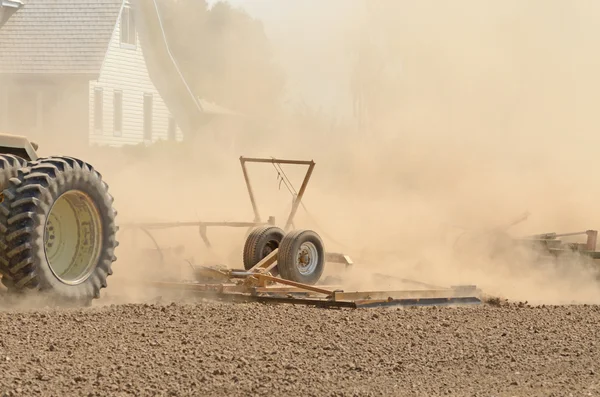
[31,192]
[251,253]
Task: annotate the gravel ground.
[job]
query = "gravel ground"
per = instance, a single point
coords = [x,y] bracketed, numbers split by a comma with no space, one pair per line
[210,348]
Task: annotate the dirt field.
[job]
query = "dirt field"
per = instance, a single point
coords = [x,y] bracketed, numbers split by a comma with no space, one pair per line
[209,348]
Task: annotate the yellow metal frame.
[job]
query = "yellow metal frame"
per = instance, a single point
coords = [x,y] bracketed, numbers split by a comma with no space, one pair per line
[258,284]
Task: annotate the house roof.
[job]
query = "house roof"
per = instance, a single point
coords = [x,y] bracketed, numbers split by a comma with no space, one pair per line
[212,108]
[11,3]
[58,36]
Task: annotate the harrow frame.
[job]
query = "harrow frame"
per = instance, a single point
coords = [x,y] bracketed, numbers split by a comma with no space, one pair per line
[203,226]
[331,299]
[258,285]
[551,243]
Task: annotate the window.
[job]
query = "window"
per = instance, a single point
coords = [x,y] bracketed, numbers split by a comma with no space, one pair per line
[118,113]
[98,109]
[148,117]
[172,131]
[128,26]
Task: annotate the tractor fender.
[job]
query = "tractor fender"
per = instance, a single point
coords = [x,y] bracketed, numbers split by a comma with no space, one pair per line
[18,145]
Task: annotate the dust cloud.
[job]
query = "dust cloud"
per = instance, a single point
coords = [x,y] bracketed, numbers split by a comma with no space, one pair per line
[471,113]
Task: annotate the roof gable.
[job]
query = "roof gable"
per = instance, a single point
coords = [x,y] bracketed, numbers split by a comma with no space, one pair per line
[7,8]
[58,36]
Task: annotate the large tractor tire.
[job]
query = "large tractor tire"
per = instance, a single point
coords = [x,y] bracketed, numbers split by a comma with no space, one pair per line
[9,165]
[261,242]
[301,257]
[57,230]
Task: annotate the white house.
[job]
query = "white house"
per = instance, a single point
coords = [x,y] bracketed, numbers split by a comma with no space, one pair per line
[75,70]
[125,106]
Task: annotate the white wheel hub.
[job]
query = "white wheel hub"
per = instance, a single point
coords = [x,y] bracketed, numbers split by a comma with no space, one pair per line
[307,259]
[73,237]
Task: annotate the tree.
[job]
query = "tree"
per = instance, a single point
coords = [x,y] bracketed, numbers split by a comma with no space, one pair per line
[225,55]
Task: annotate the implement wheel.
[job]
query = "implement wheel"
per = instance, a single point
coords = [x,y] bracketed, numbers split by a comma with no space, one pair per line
[57,230]
[301,257]
[260,243]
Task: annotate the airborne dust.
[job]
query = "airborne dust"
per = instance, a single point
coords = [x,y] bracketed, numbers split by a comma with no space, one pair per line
[473,113]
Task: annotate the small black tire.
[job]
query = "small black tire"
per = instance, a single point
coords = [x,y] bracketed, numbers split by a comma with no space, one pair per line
[261,242]
[58,230]
[308,244]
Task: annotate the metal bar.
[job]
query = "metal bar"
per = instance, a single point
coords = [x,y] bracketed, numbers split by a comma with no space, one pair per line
[418,302]
[239,293]
[592,254]
[298,198]
[204,236]
[250,191]
[287,289]
[198,287]
[558,251]
[269,267]
[386,277]
[203,273]
[294,284]
[322,303]
[241,273]
[266,263]
[544,236]
[592,238]
[414,294]
[166,225]
[570,234]
[276,161]
[336,257]
[548,242]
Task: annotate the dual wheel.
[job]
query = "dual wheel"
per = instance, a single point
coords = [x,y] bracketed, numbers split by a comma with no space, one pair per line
[301,255]
[57,228]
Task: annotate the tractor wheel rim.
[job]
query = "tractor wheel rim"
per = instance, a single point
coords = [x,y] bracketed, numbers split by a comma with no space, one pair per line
[73,237]
[307,258]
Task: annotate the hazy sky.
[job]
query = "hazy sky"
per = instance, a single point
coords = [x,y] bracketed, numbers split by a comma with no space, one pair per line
[304,34]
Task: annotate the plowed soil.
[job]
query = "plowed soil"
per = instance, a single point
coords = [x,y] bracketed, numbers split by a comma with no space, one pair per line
[222,349]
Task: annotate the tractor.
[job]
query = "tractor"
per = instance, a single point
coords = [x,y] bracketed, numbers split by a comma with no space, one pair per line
[57,224]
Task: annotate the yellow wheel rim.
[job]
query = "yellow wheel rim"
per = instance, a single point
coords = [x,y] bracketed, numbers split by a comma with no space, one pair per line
[73,237]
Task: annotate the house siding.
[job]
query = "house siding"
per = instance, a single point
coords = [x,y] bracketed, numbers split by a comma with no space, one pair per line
[124,70]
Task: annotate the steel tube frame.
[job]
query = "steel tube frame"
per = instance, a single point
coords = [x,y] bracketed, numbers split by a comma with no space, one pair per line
[297,200]
[202,226]
[301,294]
[167,225]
